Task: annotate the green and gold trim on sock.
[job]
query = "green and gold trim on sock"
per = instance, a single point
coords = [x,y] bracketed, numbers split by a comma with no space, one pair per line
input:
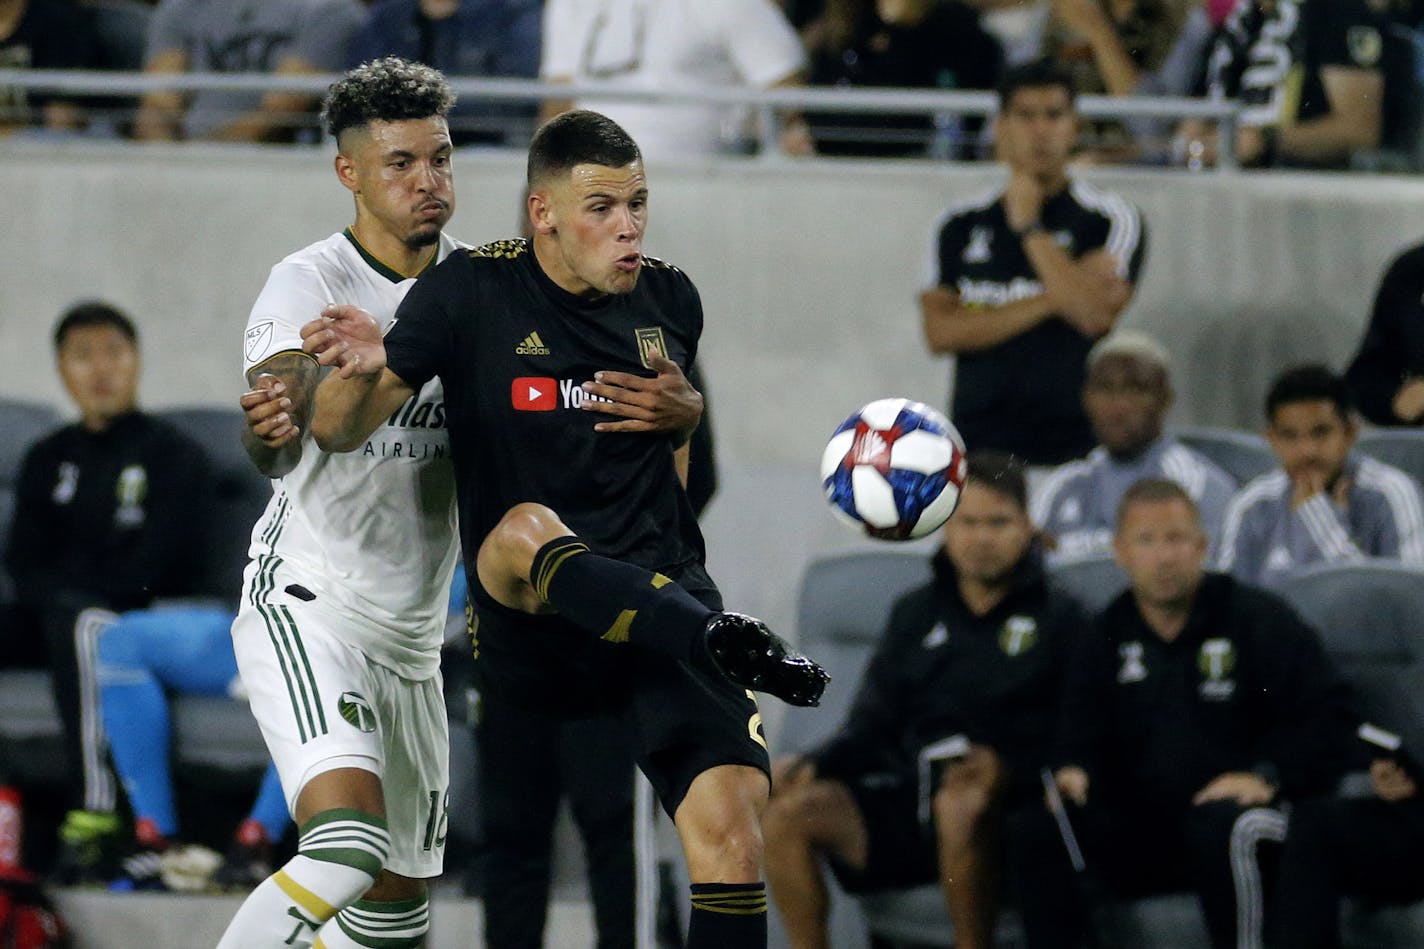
[748,900]
[346,836]
[399,924]
[318,908]
[548,561]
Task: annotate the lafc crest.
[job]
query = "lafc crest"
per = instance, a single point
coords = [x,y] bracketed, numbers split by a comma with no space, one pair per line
[650,338]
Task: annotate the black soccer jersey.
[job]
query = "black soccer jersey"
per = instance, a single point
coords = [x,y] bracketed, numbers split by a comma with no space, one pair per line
[1024,396]
[512,349]
[1272,59]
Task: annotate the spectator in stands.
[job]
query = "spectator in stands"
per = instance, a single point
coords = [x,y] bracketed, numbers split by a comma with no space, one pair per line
[484,38]
[1366,846]
[1387,374]
[1326,502]
[1195,699]
[672,45]
[1126,397]
[1028,280]
[1122,48]
[1311,76]
[924,44]
[107,517]
[279,37]
[142,657]
[949,729]
[42,34]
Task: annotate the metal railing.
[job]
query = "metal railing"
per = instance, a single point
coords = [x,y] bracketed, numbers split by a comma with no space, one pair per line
[768,105]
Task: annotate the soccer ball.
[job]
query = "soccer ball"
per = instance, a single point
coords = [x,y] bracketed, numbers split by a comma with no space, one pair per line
[894,469]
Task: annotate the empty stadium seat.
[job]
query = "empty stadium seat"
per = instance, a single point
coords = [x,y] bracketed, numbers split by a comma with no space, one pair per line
[1093,581]
[1370,616]
[1243,455]
[1401,447]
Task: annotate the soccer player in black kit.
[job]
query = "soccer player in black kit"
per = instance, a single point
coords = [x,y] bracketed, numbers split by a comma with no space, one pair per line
[579,544]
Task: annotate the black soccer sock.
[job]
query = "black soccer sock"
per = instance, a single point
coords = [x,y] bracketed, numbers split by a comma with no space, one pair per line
[618,601]
[728,916]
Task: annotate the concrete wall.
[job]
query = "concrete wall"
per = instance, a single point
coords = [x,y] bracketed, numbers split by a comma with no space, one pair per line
[808,270]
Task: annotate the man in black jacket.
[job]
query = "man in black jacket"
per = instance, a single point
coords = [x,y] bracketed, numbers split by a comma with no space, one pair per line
[1387,373]
[109,513]
[950,726]
[1195,701]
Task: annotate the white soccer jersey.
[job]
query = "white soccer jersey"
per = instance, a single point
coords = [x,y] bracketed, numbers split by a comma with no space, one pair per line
[371,532]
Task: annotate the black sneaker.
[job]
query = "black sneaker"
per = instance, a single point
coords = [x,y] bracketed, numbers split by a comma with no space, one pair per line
[141,870]
[754,657]
[244,867]
[91,846]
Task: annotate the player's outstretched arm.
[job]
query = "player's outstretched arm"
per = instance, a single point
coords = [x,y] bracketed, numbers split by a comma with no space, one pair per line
[665,403]
[361,393]
[277,408]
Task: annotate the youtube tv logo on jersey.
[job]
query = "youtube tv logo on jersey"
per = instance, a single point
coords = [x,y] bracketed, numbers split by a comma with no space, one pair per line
[534,394]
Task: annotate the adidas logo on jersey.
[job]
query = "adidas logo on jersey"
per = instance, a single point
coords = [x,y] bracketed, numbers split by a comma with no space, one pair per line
[532,346]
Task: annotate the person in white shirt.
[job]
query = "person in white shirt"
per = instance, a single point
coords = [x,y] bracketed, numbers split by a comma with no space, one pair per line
[671,45]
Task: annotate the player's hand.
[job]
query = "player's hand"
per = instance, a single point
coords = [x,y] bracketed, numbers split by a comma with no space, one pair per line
[791,771]
[1072,783]
[1243,787]
[1408,402]
[348,337]
[1306,484]
[1023,200]
[266,407]
[1391,782]
[665,403]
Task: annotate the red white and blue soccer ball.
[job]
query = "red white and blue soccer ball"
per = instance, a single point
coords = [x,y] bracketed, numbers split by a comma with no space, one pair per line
[894,469]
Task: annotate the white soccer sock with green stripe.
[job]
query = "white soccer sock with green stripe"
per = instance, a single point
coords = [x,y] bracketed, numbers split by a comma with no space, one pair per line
[339,855]
[367,924]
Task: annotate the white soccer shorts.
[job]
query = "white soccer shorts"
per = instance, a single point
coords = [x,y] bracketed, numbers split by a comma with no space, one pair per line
[322,704]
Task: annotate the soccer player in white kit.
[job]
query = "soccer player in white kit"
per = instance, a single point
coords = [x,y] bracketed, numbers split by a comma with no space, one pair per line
[343,609]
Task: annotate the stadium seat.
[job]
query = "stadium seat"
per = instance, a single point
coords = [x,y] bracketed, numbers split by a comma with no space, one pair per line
[1370,616]
[1401,447]
[1243,455]
[240,494]
[1093,581]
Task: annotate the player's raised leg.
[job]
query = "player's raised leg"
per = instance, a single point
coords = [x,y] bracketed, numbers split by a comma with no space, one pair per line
[532,562]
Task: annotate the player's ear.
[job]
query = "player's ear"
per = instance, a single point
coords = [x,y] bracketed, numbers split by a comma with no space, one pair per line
[541,212]
[346,173]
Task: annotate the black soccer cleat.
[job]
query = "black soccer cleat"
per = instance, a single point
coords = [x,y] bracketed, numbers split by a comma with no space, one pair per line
[754,657]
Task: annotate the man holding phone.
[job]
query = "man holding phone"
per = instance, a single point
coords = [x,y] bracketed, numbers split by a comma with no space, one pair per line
[1366,846]
[949,729]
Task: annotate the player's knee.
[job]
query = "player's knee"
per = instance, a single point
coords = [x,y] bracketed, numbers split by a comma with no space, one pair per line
[724,844]
[523,529]
[967,792]
[348,847]
[117,645]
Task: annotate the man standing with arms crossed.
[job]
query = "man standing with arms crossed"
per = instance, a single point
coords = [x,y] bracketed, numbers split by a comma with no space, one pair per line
[555,518]
[343,610]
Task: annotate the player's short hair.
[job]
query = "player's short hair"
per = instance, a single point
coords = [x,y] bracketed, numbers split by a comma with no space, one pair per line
[93,313]
[1132,344]
[579,137]
[1155,490]
[385,90]
[1035,75]
[1312,383]
[999,472]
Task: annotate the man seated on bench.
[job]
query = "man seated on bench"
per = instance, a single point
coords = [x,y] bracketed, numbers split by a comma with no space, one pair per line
[948,730]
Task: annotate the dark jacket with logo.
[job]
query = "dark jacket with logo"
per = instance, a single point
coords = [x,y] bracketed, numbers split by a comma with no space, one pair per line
[1246,686]
[116,515]
[940,670]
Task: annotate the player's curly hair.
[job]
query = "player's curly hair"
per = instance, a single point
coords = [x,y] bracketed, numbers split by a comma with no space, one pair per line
[385,90]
